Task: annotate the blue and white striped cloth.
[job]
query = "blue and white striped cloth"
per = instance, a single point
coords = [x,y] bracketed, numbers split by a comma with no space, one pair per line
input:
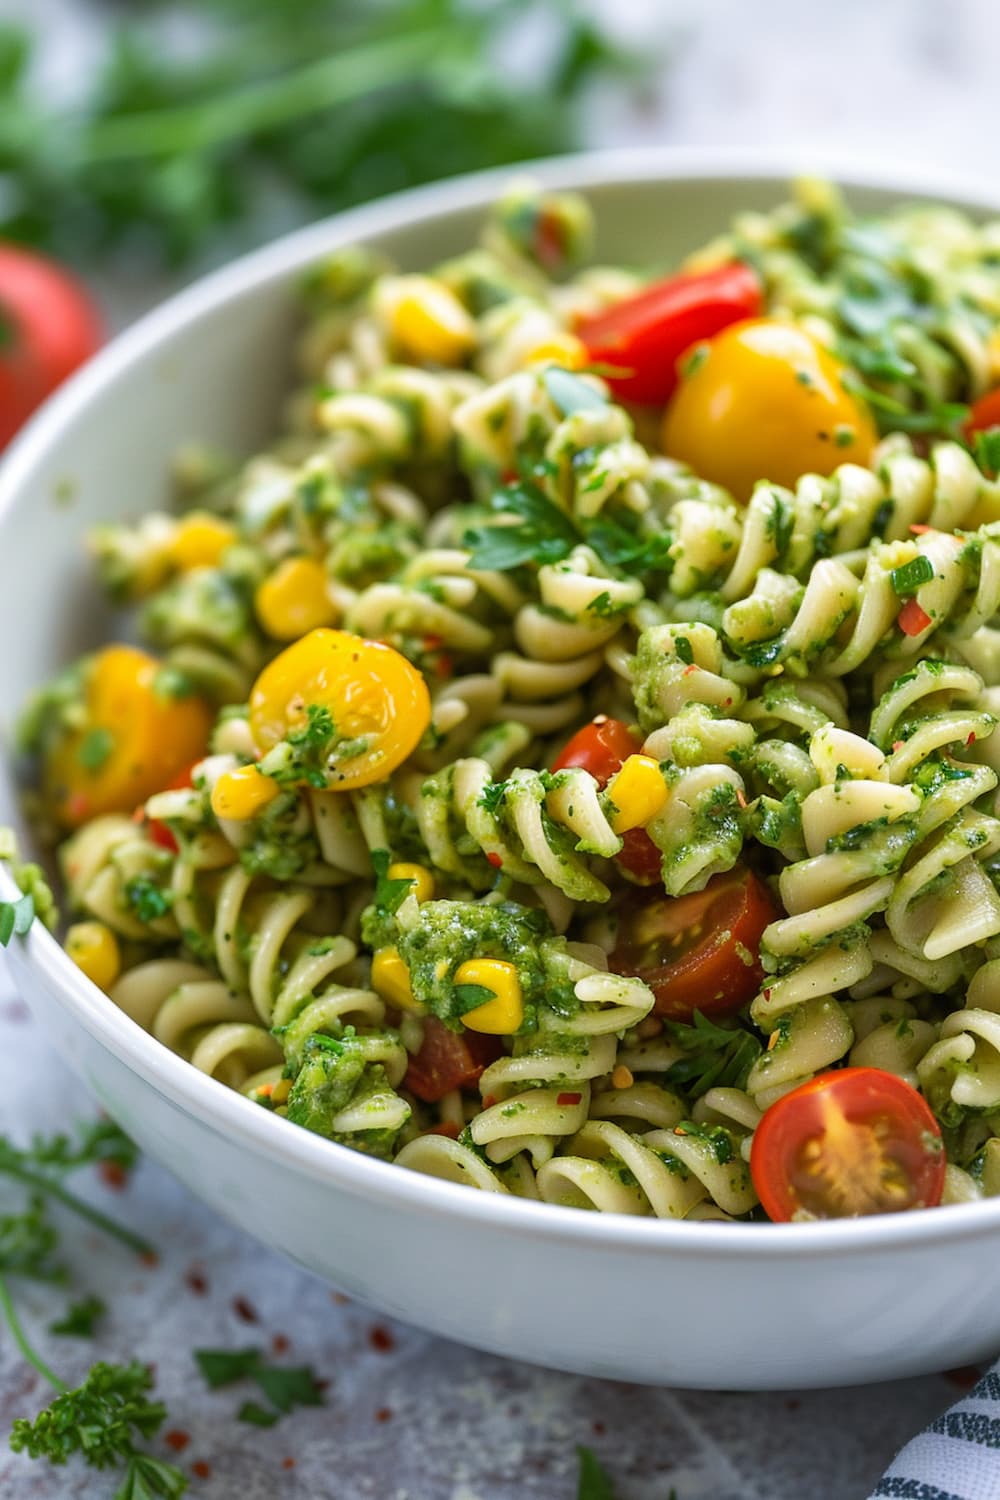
[957,1457]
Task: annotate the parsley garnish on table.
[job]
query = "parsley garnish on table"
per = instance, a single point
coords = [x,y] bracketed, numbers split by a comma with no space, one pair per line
[304,107]
[109,1412]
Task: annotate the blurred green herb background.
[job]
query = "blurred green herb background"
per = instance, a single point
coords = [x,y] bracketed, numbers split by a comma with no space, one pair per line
[221,115]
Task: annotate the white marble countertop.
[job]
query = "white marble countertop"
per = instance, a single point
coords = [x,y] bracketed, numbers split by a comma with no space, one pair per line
[407,1415]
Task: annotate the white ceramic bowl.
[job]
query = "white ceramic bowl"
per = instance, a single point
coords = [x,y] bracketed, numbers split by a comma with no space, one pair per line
[734,1306]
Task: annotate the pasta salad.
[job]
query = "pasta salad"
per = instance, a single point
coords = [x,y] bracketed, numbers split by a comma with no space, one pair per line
[564,762]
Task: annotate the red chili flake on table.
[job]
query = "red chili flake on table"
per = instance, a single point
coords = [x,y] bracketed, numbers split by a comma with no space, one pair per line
[381,1339]
[202,1468]
[112,1174]
[598,1428]
[339,1298]
[288,1463]
[568,1098]
[150,1258]
[197,1281]
[245,1310]
[280,1344]
[177,1439]
[495,860]
[384,1414]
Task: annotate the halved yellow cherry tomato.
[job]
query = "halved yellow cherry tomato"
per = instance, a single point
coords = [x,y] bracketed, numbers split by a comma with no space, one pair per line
[135,738]
[765,400]
[379,703]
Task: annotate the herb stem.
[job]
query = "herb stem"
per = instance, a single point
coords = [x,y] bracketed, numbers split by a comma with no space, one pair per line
[45,1184]
[14,1324]
[305,90]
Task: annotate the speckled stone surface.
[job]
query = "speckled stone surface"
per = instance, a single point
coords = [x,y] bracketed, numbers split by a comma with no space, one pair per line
[408,1417]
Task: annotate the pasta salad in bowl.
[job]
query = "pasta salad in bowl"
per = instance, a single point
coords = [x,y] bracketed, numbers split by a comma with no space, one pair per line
[558,760]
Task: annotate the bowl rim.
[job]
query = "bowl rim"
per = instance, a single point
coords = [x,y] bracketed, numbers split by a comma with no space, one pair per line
[228,1111]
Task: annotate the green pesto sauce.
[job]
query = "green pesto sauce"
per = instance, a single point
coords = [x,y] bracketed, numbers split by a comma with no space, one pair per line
[449,933]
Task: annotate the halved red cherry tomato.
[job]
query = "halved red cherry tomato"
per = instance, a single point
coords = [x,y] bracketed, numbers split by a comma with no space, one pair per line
[646,334]
[852,1142]
[448,1061]
[697,952]
[985,413]
[602,747]
[50,327]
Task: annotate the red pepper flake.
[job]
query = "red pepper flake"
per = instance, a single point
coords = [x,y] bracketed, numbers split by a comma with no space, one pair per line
[245,1310]
[432,642]
[446,1127]
[177,1439]
[912,619]
[767,994]
[489,1100]
[112,1174]
[384,1414]
[897,745]
[568,1098]
[202,1468]
[280,1344]
[150,1258]
[971,740]
[919,529]
[688,670]
[197,1281]
[509,476]
[381,1339]
[444,666]
[793,1403]
[598,1429]
[288,1463]
[339,1298]
[495,860]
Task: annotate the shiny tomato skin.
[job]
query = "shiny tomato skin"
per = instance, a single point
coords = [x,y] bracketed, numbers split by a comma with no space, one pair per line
[878,1142]
[448,1060]
[985,413]
[50,327]
[602,747]
[692,951]
[647,334]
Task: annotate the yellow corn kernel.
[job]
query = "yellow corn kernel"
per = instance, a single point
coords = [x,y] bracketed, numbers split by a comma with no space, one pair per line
[638,792]
[94,949]
[423,880]
[199,541]
[242,793]
[426,321]
[502,1015]
[563,349]
[293,600]
[391,980]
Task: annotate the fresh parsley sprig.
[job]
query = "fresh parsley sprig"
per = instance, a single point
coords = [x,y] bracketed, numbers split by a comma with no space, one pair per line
[285,1386]
[102,1418]
[714,1056]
